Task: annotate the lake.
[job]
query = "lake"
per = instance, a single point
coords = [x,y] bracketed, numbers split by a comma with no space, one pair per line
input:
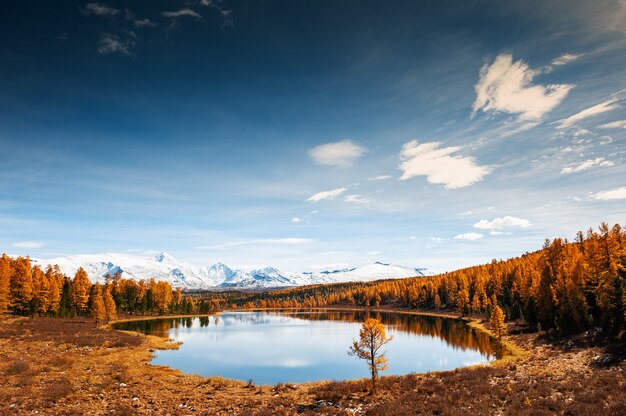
[279,347]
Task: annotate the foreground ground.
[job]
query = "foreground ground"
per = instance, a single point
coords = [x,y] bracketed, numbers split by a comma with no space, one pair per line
[68,367]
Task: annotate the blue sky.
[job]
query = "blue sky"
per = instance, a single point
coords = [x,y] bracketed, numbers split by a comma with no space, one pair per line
[310,135]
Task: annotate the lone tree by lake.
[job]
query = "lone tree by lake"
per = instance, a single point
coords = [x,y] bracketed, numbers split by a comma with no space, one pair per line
[372,337]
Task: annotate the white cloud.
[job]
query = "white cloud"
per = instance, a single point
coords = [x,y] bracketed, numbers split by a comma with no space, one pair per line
[468,236]
[374,253]
[108,44]
[380,178]
[357,199]
[27,244]
[502,223]
[587,164]
[506,86]
[439,167]
[621,124]
[520,129]
[437,240]
[327,195]
[610,195]
[99,10]
[182,13]
[342,154]
[144,23]
[265,241]
[412,237]
[493,232]
[603,107]
[296,220]
[566,58]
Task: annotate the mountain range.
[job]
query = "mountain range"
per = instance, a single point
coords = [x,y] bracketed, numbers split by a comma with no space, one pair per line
[164,267]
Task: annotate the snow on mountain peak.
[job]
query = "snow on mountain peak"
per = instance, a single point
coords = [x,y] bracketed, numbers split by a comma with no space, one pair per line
[164,267]
[163,257]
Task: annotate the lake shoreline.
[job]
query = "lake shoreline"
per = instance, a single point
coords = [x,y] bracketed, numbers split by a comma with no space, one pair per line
[513,351]
[443,344]
[70,366]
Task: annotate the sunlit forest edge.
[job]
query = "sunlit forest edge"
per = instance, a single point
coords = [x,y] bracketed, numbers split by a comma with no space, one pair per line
[567,286]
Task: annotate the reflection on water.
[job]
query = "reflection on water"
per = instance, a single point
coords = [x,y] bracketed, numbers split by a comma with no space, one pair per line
[273,347]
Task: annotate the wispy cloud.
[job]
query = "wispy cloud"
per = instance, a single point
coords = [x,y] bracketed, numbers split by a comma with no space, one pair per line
[98,9]
[143,23]
[380,178]
[587,164]
[332,194]
[227,14]
[520,129]
[608,105]
[182,13]
[113,39]
[296,220]
[506,86]
[27,244]
[265,242]
[439,166]
[620,124]
[610,195]
[357,199]
[341,154]
[502,223]
[109,43]
[566,58]
[468,236]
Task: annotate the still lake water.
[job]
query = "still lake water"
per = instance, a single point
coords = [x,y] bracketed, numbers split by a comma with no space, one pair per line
[279,347]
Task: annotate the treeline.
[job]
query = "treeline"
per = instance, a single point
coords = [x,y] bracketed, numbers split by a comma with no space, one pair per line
[570,286]
[29,290]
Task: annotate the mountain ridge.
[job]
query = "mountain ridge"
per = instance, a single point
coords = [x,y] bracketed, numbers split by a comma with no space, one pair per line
[164,267]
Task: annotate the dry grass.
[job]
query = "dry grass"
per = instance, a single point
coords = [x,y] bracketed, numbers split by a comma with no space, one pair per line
[68,367]
[18,366]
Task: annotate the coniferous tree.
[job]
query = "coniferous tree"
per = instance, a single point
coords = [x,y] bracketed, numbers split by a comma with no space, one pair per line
[372,337]
[21,286]
[463,301]
[55,281]
[79,293]
[497,322]
[109,306]
[97,308]
[41,292]
[6,270]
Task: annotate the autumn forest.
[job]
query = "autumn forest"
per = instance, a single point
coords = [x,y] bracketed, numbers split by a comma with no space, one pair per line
[567,285]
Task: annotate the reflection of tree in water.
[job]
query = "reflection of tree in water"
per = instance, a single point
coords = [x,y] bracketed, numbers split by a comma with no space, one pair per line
[454,332]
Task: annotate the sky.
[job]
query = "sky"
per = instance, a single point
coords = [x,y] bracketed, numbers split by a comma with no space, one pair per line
[310,135]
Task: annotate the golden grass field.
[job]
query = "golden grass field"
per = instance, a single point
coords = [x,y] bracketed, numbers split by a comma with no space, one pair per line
[55,366]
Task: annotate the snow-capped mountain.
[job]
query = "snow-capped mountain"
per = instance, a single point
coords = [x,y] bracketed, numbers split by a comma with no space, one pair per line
[164,267]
